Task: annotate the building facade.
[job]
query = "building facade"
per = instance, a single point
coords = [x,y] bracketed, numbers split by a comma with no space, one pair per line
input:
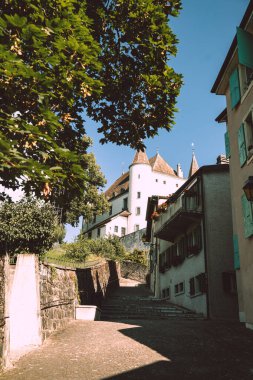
[192,245]
[128,196]
[235,82]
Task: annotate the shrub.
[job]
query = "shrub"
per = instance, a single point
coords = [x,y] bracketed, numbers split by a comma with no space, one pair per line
[27,226]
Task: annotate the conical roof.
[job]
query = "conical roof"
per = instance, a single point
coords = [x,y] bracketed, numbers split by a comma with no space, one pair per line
[140,158]
[194,166]
[160,165]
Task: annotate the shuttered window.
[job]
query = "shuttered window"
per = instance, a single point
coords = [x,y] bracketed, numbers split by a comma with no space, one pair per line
[242,145]
[236,252]
[227,145]
[245,47]
[234,86]
[247,216]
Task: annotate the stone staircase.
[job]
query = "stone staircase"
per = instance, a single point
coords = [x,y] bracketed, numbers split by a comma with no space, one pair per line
[137,303]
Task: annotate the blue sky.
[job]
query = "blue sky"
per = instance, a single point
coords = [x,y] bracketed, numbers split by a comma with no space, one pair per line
[205,29]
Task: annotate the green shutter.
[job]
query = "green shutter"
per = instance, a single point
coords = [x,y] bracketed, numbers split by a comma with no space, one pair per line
[245,47]
[247,216]
[242,145]
[227,145]
[234,86]
[236,252]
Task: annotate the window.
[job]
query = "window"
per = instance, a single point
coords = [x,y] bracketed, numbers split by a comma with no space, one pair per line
[234,86]
[138,194]
[156,180]
[138,211]
[245,139]
[179,288]
[139,176]
[116,228]
[191,198]
[247,210]
[136,227]
[110,210]
[125,203]
[194,241]
[164,182]
[123,231]
[98,232]
[198,284]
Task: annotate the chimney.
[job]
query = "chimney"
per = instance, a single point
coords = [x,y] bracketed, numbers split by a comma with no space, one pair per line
[180,171]
[221,159]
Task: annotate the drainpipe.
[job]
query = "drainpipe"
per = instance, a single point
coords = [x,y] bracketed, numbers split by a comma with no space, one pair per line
[205,253]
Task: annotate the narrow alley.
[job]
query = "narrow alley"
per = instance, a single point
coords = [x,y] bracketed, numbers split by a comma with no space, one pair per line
[173,347]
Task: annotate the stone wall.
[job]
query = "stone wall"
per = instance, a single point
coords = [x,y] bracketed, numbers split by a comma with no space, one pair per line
[134,241]
[58,296]
[62,288]
[94,283]
[134,271]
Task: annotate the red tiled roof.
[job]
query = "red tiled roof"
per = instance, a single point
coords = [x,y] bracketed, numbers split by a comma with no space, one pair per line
[140,158]
[160,165]
[119,186]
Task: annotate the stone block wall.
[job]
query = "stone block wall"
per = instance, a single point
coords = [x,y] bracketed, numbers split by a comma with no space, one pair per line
[58,296]
[134,271]
[94,283]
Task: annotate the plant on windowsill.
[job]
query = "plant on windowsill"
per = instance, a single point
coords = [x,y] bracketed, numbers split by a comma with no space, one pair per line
[155,215]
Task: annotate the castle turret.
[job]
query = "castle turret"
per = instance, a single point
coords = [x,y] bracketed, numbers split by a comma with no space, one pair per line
[194,165]
[139,181]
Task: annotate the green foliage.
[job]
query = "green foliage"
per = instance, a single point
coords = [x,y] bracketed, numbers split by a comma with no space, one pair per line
[27,226]
[59,233]
[61,57]
[138,256]
[109,248]
[139,87]
[49,66]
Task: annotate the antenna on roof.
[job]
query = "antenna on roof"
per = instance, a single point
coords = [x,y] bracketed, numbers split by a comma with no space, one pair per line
[193,148]
[157,150]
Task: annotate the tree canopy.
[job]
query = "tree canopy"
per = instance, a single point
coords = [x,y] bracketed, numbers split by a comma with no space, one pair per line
[59,58]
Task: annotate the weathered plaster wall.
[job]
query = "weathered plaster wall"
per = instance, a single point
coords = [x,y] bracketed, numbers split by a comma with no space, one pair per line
[134,241]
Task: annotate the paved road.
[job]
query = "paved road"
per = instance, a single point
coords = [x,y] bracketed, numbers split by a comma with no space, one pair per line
[141,350]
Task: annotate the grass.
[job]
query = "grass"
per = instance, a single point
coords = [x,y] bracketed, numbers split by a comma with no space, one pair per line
[57,256]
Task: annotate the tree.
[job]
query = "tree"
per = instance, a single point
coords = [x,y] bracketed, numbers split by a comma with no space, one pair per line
[27,226]
[60,57]
[139,88]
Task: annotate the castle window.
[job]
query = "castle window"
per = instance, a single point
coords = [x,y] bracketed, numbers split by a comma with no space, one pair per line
[116,228]
[110,210]
[138,194]
[125,204]
[138,211]
[164,182]
[98,232]
[139,176]
[123,231]
[136,227]
[156,180]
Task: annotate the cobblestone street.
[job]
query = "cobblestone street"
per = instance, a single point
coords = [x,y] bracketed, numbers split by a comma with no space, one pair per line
[150,349]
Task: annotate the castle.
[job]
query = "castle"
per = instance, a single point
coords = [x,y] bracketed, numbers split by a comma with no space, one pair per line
[128,195]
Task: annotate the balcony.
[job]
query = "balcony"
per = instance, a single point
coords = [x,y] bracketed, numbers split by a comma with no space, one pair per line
[178,223]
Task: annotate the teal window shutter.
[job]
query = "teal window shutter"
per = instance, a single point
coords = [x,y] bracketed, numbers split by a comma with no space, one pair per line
[245,47]
[234,86]
[242,145]
[236,252]
[247,216]
[227,145]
